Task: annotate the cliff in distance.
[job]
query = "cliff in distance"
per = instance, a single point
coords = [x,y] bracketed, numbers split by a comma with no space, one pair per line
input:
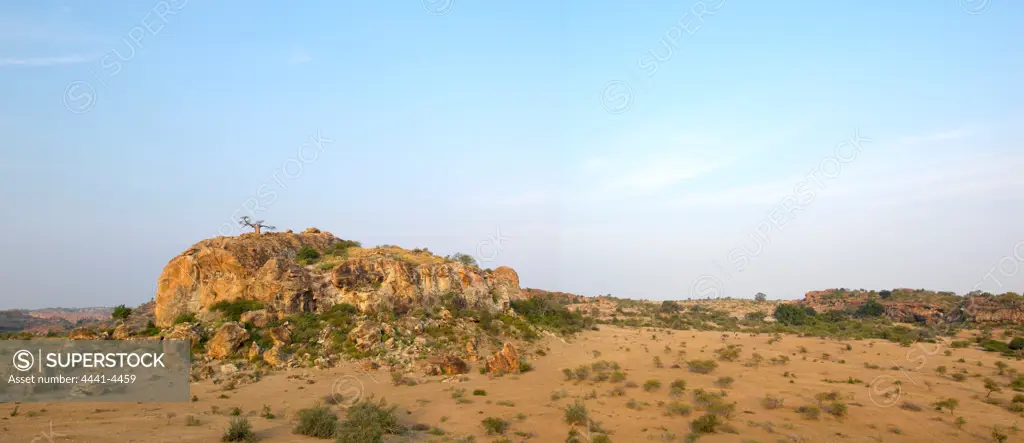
[923,306]
[312,271]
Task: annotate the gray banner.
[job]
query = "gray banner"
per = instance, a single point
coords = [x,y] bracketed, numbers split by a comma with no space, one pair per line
[94,370]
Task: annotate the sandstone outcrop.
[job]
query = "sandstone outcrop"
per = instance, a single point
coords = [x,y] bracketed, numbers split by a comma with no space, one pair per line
[254,351]
[185,331]
[505,361]
[265,268]
[446,365]
[227,340]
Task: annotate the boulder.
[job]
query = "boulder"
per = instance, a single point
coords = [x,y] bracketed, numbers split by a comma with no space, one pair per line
[254,352]
[185,331]
[366,335]
[122,332]
[258,318]
[281,335]
[83,334]
[227,340]
[505,361]
[275,357]
[447,365]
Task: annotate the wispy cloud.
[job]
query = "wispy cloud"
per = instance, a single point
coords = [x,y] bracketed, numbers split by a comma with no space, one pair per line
[46,61]
[954,134]
[658,174]
[901,182]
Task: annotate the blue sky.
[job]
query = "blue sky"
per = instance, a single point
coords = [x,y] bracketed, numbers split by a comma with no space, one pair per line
[129,132]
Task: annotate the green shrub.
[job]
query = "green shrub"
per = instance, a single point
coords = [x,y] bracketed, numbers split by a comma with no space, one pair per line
[771,402]
[871,309]
[239,430]
[188,317]
[996,346]
[340,248]
[809,412]
[998,436]
[702,366]
[494,425]
[949,404]
[729,353]
[368,422]
[551,315]
[233,310]
[121,312]
[307,255]
[317,421]
[677,408]
[652,385]
[837,409]
[790,314]
[576,414]
[724,382]
[1017,343]
[1017,383]
[706,424]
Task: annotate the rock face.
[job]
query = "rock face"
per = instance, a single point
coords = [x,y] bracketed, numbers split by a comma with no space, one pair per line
[921,306]
[227,340]
[505,361]
[264,268]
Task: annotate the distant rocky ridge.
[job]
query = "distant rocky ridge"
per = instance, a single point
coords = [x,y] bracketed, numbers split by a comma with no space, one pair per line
[73,314]
[267,268]
[923,306]
[41,321]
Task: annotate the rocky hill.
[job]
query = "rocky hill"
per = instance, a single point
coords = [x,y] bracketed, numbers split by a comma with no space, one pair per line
[312,271]
[72,314]
[923,306]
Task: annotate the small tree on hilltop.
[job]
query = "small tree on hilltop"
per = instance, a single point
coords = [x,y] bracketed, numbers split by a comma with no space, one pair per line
[670,307]
[791,314]
[121,312]
[465,259]
[256,226]
[760,297]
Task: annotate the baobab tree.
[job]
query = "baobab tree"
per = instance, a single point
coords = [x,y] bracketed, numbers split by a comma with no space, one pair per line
[255,225]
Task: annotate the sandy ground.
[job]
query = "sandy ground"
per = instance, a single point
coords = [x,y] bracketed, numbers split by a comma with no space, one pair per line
[872,417]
